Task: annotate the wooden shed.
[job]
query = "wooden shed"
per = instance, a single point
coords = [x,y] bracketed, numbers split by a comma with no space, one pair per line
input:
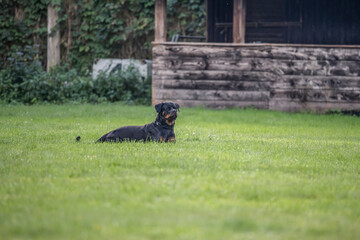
[288,55]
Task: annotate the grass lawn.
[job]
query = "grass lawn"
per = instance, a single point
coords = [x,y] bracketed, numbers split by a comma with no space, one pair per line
[232,174]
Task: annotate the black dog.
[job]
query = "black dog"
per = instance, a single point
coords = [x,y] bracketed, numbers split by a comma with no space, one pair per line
[162,129]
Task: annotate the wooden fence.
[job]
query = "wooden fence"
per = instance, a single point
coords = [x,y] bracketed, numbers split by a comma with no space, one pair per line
[267,76]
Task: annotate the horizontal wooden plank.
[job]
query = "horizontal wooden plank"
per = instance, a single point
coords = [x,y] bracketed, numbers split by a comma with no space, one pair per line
[159,74]
[277,105]
[262,51]
[319,107]
[215,103]
[214,95]
[250,45]
[180,63]
[279,67]
[317,82]
[213,85]
[302,84]
[314,95]
[285,81]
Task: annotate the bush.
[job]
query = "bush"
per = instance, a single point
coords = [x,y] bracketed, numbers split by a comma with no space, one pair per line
[127,86]
[25,82]
[20,69]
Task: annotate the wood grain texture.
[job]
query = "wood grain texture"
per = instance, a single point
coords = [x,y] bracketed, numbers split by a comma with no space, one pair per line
[212,85]
[279,67]
[160,21]
[215,103]
[214,75]
[317,82]
[318,107]
[53,39]
[295,45]
[258,51]
[308,78]
[239,21]
[214,95]
[316,95]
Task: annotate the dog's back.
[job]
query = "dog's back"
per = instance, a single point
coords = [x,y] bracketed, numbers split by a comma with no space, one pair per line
[128,133]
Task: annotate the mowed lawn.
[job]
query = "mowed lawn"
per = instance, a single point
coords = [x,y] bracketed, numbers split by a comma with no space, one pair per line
[232,174]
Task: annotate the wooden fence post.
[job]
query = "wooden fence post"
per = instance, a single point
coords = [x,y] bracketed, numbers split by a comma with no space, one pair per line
[53,39]
[210,20]
[239,21]
[160,20]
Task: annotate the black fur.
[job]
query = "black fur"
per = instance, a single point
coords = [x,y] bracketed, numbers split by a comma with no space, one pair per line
[162,129]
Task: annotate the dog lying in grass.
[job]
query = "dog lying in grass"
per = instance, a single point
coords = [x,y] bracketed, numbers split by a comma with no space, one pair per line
[162,129]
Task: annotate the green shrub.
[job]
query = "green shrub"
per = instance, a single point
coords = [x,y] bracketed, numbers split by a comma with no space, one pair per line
[127,86]
[20,71]
[29,84]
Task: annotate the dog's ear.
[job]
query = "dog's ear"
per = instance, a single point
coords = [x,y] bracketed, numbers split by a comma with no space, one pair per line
[158,107]
[177,106]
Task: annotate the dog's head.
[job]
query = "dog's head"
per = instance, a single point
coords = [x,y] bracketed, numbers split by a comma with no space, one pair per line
[167,112]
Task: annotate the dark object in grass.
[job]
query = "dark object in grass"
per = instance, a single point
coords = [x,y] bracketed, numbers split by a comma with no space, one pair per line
[78,138]
[162,129]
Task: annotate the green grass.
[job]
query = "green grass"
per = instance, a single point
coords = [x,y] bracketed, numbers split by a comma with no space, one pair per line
[232,174]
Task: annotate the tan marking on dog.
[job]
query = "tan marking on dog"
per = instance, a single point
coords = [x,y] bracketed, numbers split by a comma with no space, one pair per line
[172,139]
[170,123]
[167,116]
[162,139]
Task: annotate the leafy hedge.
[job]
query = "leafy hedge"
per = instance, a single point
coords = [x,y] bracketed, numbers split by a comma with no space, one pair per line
[25,81]
[60,87]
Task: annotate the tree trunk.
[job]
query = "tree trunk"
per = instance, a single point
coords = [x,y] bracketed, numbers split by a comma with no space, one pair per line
[53,43]
[160,20]
[69,36]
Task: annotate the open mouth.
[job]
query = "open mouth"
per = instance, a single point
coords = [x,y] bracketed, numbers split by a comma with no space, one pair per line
[170,122]
[171,116]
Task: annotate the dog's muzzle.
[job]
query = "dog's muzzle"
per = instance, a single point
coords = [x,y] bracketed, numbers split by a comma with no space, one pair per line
[173,115]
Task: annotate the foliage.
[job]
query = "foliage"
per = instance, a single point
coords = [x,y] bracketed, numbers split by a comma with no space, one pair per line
[25,81]
[232,174]
[93,29]
[22,68]
[186,17]
[22,23]
[90,29]
[127,86]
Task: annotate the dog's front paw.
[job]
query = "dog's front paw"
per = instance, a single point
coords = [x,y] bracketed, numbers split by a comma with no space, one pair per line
[172,139]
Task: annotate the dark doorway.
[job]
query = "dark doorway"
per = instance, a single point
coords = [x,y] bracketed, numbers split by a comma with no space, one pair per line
[219,20]
[288,21]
